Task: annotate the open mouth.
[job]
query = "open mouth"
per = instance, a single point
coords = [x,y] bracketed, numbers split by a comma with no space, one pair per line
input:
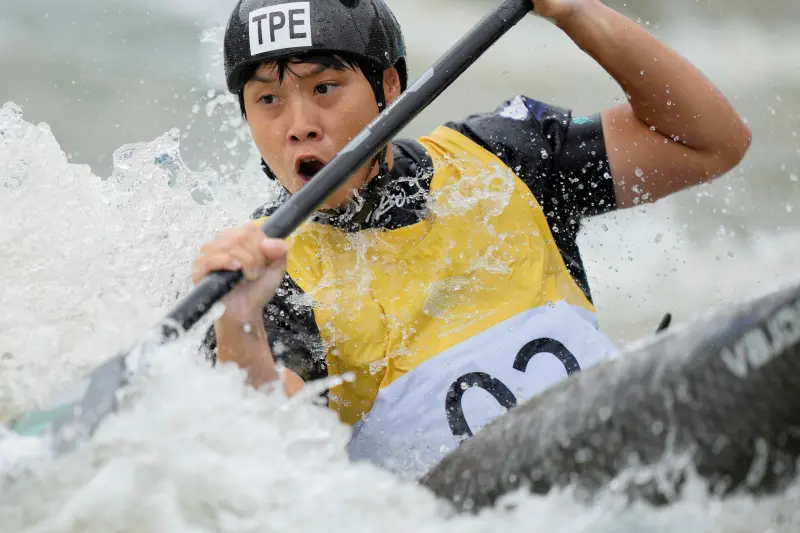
[308,167]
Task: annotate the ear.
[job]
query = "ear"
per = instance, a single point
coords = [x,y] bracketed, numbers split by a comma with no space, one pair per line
[391,85]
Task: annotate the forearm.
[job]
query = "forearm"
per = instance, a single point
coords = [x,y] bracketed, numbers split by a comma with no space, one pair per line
[245,343]
[665,91]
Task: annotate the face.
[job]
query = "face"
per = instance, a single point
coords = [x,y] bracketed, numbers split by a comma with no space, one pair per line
[300,123]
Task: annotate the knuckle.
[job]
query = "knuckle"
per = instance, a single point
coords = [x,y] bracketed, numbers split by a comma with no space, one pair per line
[208,247]
[199,271]
[229,236]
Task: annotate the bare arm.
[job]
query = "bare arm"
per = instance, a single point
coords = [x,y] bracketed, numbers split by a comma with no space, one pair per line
[245,343]
[240,334]
[677,130]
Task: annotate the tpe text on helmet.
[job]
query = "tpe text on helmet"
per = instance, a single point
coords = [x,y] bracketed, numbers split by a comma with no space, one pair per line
[281,26]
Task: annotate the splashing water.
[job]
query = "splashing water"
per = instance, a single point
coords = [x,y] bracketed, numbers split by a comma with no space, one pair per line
[87,263]
[90,264]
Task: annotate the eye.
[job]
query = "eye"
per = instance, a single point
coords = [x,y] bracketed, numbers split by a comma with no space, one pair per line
[267,99]
[325,88]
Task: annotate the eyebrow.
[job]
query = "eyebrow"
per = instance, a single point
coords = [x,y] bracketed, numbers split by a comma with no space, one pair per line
[319,69]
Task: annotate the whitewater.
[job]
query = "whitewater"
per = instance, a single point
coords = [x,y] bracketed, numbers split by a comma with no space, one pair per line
[91,260]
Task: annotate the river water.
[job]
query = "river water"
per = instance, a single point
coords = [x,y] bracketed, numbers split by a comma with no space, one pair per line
[94,252]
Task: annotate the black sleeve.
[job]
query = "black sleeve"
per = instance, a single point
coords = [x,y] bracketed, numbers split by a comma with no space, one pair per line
[561,158]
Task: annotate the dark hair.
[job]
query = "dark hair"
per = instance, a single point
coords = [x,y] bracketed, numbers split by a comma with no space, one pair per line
[334,61]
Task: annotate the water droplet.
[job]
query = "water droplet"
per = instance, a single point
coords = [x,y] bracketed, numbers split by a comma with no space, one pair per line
[584,455]
[793,177]
[639,172]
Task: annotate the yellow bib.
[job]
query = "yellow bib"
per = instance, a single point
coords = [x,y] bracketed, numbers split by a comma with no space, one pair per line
[387,300]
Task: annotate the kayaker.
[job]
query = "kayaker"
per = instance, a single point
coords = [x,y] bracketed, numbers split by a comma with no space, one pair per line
[444,278]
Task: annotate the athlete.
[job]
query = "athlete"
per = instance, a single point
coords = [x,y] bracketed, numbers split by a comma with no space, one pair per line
[443,280]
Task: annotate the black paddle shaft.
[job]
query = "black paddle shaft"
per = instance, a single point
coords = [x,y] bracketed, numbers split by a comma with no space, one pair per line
[188,311]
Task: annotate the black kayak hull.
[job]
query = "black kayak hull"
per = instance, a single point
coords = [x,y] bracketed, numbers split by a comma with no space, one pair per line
[723,393]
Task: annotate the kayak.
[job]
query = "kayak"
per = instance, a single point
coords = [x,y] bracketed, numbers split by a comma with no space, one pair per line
[719,398]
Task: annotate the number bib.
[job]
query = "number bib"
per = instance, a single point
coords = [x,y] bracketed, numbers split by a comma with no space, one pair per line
[423,415]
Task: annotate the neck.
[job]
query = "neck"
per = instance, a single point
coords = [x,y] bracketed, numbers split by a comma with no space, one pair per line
[352,213]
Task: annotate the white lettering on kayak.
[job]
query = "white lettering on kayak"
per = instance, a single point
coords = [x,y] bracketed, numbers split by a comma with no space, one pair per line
[761,345]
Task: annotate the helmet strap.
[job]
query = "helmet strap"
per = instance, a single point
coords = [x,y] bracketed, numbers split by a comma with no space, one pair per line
[374,75]
[268,171]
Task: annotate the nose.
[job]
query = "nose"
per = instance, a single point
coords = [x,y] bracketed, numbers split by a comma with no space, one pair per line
[305,122]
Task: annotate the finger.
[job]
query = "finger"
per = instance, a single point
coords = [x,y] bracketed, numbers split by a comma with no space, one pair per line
[252,263]
[274,249]
[267,249]
[224,239]
[255,239]
[208,263]
[252,232]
